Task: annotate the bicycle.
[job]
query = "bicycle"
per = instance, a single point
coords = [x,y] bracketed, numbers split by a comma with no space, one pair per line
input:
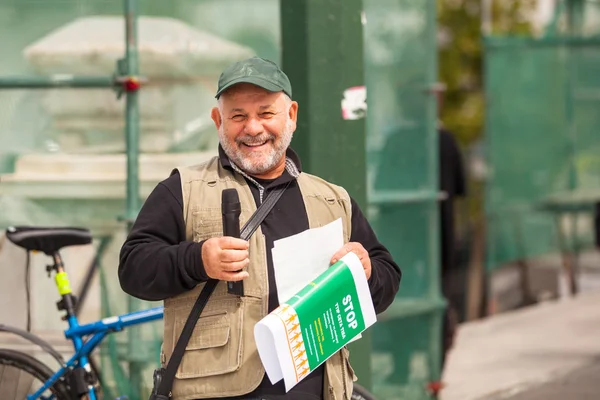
[77,378]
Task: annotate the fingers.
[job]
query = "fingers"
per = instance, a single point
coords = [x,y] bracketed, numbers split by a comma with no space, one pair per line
[229,256]
[339,254]
[361,253]
[234,266]
[234,260]
[231,243]
[224,258]
[353,247]
[234,276]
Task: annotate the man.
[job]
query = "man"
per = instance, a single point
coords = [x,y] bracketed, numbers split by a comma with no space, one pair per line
[176,243]
[452,182]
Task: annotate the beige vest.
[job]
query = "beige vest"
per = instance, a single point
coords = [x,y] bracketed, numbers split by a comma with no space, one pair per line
[221,358]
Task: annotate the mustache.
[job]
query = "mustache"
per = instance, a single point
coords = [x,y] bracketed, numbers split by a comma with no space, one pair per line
[255,139]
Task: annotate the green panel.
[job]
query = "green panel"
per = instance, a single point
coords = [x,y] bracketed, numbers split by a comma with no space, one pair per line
[402,362]
[541,133]
[586,100]
[536,119]
[517,124]
[400,62]
[542,141]
[406,231]
[519,234]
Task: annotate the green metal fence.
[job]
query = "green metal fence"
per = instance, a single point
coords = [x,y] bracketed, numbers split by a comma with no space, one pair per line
[401,70]
[542,98]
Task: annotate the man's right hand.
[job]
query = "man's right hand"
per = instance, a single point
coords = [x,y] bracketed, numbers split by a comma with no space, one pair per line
[225,257]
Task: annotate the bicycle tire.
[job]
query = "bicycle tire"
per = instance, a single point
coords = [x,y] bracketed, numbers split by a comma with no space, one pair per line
[41,372]
[360,393]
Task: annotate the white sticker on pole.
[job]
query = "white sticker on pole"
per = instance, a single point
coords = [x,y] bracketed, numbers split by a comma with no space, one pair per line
[354,103]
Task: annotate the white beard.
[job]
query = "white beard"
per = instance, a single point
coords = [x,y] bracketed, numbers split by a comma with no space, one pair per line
[258,167]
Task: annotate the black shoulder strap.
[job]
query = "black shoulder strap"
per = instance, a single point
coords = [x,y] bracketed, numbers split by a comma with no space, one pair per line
[263,210]
[248,229]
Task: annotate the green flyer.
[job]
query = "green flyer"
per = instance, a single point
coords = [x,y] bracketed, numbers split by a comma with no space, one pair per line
[314,324]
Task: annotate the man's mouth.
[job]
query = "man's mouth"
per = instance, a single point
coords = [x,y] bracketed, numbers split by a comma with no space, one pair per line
[256,144]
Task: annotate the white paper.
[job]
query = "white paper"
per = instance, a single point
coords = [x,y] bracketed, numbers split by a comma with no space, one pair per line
[264,335]
[280,348]
[300,258]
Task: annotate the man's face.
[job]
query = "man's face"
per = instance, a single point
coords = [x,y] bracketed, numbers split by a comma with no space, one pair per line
[255,127]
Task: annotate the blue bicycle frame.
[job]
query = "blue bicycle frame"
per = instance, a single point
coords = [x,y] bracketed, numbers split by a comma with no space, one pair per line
[98,331]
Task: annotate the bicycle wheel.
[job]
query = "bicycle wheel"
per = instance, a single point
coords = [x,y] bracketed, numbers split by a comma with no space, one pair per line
[22,375]
[360,393]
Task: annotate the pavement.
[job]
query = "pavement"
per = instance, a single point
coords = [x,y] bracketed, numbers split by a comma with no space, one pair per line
[550,351]
[581,384]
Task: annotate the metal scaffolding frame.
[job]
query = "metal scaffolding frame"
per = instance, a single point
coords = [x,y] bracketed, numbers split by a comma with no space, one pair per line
[125,81]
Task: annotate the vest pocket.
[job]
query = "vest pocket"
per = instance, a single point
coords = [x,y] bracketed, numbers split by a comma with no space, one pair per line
[208,223]
[214,347]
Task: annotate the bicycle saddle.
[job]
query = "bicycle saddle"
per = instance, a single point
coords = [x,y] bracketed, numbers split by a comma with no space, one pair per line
[46,239]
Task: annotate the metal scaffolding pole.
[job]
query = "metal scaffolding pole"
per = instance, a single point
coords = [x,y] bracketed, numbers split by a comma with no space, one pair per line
[131,68]
[57,81]
[126,81]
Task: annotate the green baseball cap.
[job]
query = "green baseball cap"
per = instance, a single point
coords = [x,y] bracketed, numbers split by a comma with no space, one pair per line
[257,71]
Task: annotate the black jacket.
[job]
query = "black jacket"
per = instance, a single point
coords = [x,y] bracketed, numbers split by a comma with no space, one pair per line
[157,262]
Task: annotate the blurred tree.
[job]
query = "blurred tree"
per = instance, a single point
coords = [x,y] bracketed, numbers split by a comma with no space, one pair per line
[461,57]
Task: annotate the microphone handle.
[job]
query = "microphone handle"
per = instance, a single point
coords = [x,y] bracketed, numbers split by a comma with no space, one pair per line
[231,227]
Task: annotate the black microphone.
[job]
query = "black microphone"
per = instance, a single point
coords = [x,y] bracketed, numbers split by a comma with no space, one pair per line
[231,209]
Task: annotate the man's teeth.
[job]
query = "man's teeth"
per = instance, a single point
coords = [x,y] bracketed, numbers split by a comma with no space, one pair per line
[255,144]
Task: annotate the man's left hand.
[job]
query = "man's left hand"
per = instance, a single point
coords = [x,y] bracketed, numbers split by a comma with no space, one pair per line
[357,249]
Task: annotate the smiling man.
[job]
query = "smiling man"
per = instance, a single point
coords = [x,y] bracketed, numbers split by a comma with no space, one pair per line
[177,243]
[256,139]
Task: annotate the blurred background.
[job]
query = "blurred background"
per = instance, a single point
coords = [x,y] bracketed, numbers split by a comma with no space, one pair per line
[477,162]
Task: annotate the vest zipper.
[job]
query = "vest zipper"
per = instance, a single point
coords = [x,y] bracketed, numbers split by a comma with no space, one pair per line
[267,289]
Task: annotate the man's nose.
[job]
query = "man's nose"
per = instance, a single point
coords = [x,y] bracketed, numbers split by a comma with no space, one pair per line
[253,127]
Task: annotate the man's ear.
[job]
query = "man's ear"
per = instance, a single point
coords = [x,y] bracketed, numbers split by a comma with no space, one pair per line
[293,111]
[216,117]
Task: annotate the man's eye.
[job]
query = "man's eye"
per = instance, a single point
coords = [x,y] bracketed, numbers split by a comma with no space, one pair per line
[238,117]
[267,114]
